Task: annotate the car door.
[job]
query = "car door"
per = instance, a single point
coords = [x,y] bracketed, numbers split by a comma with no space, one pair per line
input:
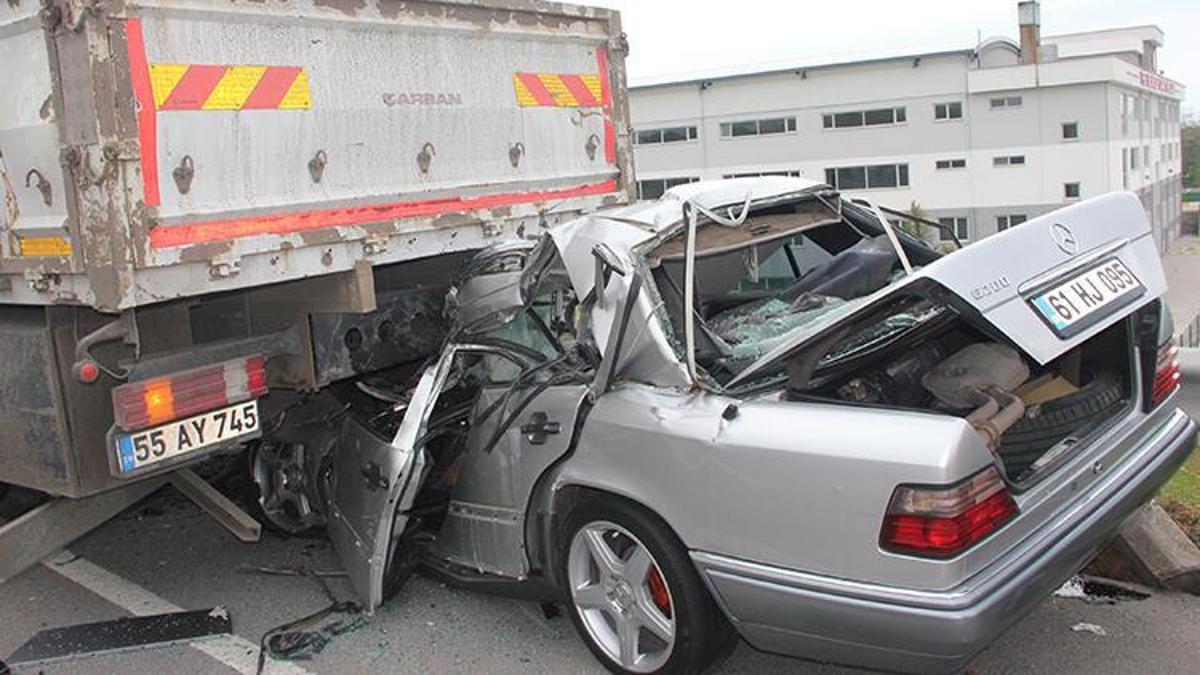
[521,423]
[373,483]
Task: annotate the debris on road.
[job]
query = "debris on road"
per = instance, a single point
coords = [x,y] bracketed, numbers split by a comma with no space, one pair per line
[125,634]
[304,638]
[289,571]
[1089,628]
[1098,591]
[297,644]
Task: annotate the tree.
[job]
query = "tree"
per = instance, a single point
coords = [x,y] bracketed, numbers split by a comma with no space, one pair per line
[913,227]
[930,235]
[1190,135]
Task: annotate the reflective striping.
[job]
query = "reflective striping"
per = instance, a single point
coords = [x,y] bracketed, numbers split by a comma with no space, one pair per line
[207,87]
[234,88]
[284,223]
[163,79]
[147,118]
[562,91]
[193,89]
[44,247]
[298,96]
[272,87]
[610,128]
[530,90]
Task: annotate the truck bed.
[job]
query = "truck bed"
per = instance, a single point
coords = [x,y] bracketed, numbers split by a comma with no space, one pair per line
[161,149]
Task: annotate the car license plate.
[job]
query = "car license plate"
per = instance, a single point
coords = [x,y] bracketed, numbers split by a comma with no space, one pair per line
[138,450]
[1074,304]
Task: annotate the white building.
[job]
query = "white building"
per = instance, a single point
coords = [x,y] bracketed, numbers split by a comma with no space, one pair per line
[981,138]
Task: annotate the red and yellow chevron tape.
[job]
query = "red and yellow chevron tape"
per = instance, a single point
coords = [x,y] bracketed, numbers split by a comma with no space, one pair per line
[555,90]
[179,86]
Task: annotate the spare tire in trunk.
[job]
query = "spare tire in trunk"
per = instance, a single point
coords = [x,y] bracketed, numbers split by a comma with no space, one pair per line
[1048,423]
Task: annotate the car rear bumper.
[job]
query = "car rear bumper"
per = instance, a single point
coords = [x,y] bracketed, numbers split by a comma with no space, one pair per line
[827,619]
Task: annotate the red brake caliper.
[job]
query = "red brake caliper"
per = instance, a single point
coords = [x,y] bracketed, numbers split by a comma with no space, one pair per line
[658,591]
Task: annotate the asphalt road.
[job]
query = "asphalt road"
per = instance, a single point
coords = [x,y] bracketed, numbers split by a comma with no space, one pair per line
[165,554]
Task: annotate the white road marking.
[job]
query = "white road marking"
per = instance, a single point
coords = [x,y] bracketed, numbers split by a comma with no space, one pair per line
[234,651]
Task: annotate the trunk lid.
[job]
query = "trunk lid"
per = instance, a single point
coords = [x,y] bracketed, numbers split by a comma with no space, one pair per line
[998,278]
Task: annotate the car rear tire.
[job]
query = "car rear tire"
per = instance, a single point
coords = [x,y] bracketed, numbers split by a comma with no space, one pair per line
[1048,423]
[633,593]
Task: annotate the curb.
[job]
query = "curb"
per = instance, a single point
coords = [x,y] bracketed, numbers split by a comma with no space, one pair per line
[1161,553]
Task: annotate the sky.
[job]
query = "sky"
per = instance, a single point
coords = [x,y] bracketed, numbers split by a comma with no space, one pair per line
[678,39]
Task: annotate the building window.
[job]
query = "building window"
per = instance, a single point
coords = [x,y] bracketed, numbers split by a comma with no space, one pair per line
[864,118]
[1070,131]
[1002,102]
[947,111]
[944,164]
[1008,160]
[654,188]
[1010,220]
[1146,156]
[665,135]
[760,174]
[868,177]
[763,127]
[1071,191]
[957,225]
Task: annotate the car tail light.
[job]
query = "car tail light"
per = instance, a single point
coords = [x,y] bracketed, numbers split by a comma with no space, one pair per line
[1166,373]
[940,522]
[148,403]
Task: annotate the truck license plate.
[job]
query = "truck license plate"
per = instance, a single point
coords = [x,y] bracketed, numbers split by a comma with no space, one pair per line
[1072,305]
[138,450]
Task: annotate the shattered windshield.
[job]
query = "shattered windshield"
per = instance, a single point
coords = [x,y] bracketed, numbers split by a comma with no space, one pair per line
[884,330]
[759,284]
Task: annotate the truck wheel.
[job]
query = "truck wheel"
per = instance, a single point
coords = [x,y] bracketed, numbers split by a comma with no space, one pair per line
[634,595]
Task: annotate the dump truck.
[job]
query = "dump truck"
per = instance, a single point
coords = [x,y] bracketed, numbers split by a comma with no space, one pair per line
[213,205]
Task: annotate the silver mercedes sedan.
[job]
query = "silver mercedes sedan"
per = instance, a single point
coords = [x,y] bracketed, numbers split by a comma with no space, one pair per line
[759,408]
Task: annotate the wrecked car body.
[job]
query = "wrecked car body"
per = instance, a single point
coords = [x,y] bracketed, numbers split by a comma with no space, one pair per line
[756,408]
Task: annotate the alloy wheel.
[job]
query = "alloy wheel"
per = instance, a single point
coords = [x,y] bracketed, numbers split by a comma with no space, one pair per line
[621,596]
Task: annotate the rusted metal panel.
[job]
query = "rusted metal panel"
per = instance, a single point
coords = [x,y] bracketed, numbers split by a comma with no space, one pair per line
[34,241]
[34,442]
[217,145]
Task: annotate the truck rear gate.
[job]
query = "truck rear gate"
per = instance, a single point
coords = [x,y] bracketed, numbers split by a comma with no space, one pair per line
[155,150]
[187,184]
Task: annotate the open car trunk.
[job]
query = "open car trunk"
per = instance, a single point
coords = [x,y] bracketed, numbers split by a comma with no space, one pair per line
[1032,416]
[1029,335]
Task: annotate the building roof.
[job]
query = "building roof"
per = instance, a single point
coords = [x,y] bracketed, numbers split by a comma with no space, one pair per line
[1084,43]
[756,71]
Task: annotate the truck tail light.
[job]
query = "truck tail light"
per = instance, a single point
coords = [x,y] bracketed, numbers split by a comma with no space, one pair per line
[1166,373]
[941,522]
[148,403]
